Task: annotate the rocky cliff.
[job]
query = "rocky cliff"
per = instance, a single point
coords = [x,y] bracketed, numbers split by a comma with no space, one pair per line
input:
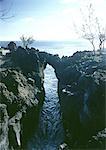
[81,88]
[21,96]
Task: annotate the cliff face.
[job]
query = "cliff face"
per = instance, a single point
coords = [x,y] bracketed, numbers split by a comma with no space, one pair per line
[82,80]
[21,96]
[81,89]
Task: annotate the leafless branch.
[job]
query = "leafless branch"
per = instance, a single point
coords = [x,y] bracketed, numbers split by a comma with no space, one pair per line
[91,29]
[26,41]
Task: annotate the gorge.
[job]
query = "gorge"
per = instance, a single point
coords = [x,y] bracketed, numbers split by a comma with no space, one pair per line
[50,131]
[81,91]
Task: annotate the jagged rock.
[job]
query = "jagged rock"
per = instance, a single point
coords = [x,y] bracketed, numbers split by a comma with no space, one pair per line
[82,97]
[98,140]
[12,46]
[21,95]
[81,91]
[31,81]
[63,147]
[4,142]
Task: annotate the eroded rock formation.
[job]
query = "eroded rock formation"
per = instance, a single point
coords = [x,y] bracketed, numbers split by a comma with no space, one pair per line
[21,96]
[81,89]
[82,81]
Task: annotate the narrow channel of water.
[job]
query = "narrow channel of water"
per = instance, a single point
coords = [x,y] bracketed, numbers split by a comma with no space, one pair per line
[50,132]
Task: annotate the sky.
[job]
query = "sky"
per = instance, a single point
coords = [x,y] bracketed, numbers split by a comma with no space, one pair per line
[45,19]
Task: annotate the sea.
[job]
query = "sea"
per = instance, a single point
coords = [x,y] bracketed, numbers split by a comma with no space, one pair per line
[62,48]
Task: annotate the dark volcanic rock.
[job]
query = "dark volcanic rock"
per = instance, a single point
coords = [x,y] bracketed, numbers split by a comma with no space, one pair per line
[12,46]
[3,127]
[82,96]
[81,88]
[82,79]
[21,97]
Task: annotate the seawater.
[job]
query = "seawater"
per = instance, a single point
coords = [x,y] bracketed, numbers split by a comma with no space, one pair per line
[50,133]
[62,48]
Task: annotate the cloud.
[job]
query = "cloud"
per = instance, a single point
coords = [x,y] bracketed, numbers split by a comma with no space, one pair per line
[56,26]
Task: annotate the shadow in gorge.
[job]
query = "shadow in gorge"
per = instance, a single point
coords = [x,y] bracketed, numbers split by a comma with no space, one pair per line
[50,133]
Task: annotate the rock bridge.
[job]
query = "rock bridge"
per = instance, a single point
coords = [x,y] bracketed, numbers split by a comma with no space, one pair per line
[80,88]
[52,60]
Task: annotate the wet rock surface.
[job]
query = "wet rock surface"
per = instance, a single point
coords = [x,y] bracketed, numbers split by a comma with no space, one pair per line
[21,97]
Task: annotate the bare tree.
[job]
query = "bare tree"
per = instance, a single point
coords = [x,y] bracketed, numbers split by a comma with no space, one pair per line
[91,29]
[26,41]
[101,35]
[88,25]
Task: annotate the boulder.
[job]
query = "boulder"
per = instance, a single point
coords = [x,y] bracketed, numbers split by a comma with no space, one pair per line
[12,46]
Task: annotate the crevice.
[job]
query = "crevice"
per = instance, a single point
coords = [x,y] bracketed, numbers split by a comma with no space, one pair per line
[50,131]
